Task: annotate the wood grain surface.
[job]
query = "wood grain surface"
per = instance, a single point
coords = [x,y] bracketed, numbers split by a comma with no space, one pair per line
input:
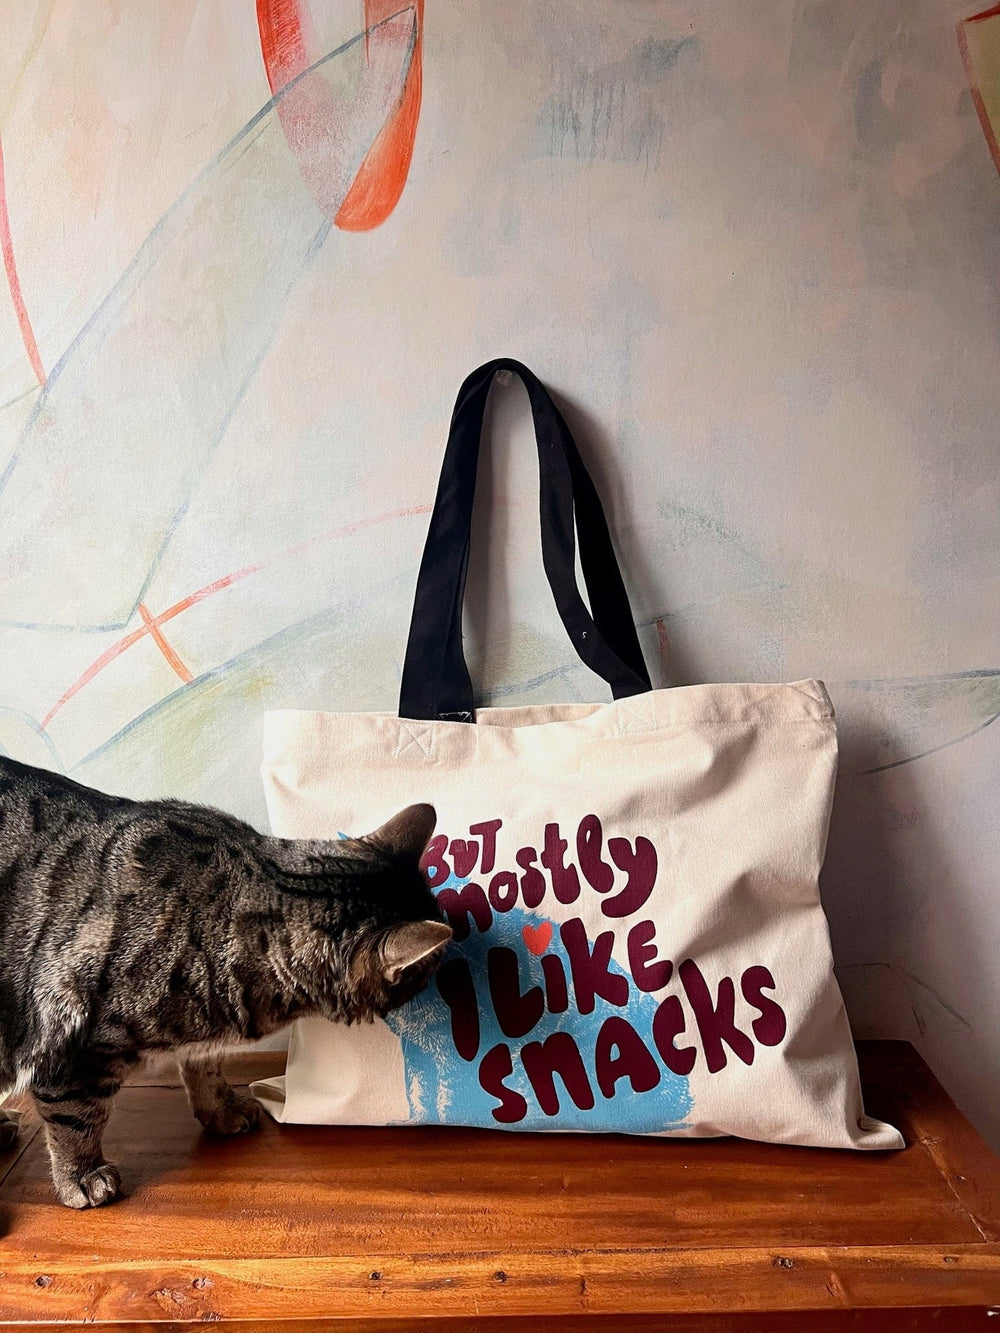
[369,1227]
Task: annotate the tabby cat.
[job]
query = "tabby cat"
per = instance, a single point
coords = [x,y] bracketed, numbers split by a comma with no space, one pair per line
[135,926]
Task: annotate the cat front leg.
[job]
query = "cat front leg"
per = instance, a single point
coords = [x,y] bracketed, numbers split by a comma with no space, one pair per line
[219,1107]
[74,1117]
[9,1125]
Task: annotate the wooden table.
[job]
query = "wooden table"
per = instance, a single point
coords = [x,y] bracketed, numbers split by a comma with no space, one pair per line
[301,1228]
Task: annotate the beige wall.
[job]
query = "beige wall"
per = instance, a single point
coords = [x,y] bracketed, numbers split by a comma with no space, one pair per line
[755,248]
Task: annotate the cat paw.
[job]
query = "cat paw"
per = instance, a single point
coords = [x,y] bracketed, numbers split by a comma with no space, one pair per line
[236,1114]
[9,1125]
[97,1187]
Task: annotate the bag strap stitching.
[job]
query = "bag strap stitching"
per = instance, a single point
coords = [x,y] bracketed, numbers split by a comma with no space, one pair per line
[416,738]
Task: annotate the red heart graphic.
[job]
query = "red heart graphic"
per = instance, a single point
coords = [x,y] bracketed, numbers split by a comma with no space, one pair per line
[537,938]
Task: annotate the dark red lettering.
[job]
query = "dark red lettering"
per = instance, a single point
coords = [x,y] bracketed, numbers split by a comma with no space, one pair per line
[433,863]
[640,866]
[591,976]
[464,856]
[454,981]
[668,1023]
[565,880]
[532,881]
[556,991]
[517,1014]
[770,1028]
[464,902]
[494,1067]
[716,1022]
[589,841]
[503,890]
[621,1053]
[488,831]
[557,1054]
[648,975]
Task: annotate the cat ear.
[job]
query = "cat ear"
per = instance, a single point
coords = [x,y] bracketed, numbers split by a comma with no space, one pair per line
[409,943]
[408,833]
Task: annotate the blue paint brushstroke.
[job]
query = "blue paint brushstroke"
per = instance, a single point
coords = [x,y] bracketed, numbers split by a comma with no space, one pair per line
[442,1088]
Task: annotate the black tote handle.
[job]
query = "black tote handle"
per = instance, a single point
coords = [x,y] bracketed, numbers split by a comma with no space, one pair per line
[436,684]
[609,601]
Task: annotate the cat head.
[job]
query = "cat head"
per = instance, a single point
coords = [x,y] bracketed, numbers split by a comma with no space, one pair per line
[405,938]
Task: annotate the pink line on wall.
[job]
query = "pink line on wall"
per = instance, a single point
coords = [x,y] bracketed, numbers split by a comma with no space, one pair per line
[151,624]
[133,637]
[14,282]
[663,641]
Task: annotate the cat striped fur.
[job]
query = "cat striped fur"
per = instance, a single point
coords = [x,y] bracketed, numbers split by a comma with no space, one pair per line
[128,927]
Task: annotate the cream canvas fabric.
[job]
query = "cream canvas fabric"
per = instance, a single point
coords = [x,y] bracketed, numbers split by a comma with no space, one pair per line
[711,807]
[638,938]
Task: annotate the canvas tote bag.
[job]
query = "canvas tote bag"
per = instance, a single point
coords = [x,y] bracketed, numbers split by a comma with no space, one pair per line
[639,944]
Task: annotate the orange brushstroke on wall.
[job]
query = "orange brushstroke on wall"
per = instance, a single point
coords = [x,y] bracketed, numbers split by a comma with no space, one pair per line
[309,115]
[376,188]
[14,282]
[165,648]
[981,57]
[133,637]
[152,623]
[282,41]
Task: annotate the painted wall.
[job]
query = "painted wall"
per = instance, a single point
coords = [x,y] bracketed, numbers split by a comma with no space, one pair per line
[249,257]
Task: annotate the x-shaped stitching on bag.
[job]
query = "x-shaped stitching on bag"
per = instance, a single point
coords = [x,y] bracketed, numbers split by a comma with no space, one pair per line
[635,715]
[417,738]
